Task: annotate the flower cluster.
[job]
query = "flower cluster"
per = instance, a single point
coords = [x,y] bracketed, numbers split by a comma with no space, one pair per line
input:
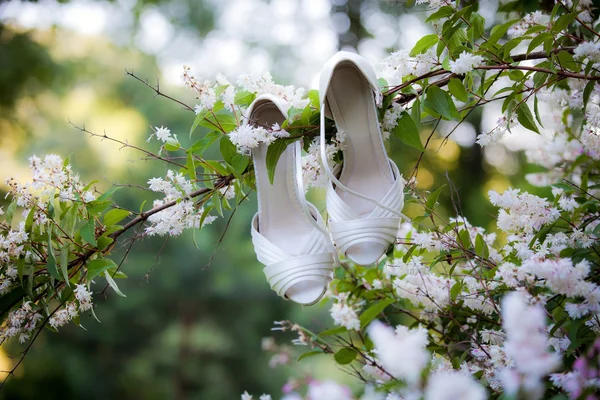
[345,311]
[180,215]
[264,84]
[247,136]
[526,346]
[535,18]
[399,64]
[20,323]
[312,164]
[435,4]
[50,176]
[465,63]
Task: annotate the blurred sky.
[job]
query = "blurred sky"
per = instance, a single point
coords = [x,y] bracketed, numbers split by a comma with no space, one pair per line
[290,38]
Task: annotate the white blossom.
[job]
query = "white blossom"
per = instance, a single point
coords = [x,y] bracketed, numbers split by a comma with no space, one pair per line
[465,63]
[246,396]
[402,352]
[163,134]
[318,390]
[526,345]
[345,312]
[435,4]
[247,137]
[453,385]
[84,296]
[589,50]
[531,19]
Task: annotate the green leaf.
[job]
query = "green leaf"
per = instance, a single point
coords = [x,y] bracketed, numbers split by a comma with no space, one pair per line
[567,61]
[64,262]
[477,26]
[313,96]
[441,103]
[205,213]
[199,118]
[98,266]
[108,194]
[564,21]
[458,90]
[424,44]
[499,31]
[589,88]
[240,163]
[142,206]
[23,269]
[96,207]
[217,167]
[538,40]
[415,112]
[243,98]
[525,118]
[433,198]
[455,290]
[51,259]
[51,209]
[222,120]
[104,242]
[333,331]
[443,12]
[29,220]
[274,152]
[201,145]
[113,284]
[190,166]
[464,238]
[516,75]
[539,78]
[345,355]
[407,132]
[372,312]
[115,216]
[10,212]
[116,274]
[172,144]
[216,202]
[228,150]
[481,248]
[88,233]
[310,354]
[537,111]
[510,45]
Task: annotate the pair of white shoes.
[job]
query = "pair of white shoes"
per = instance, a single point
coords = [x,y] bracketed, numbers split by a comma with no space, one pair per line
[363,202]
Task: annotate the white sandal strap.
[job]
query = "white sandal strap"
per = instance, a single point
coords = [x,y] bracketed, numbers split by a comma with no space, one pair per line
[343,187]
[348,228]
[315,267]
[378,230]
[315,261]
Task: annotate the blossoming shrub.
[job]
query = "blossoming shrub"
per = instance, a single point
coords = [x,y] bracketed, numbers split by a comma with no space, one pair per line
[453,311]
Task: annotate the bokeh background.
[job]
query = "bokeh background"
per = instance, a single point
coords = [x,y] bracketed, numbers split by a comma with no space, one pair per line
[188,330]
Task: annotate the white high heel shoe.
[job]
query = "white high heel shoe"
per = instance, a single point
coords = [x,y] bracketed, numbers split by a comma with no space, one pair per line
[365,202]
[288,233]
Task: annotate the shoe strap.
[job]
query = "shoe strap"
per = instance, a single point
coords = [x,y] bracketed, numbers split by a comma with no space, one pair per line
[314,267]
[315,263]
[269,253]
[339,184]
[381,230]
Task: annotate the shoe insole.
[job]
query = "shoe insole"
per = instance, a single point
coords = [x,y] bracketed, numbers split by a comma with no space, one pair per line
[282,219]
[366,167]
